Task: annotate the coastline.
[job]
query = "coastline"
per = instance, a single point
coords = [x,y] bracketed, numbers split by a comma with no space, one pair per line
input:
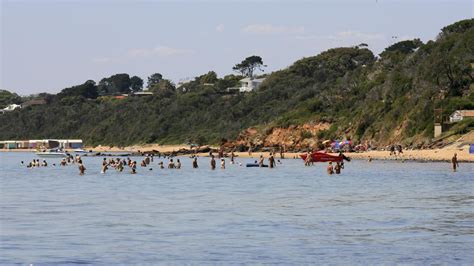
[432,155]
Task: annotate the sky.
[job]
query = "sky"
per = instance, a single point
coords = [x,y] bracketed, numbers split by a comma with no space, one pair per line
[50,45]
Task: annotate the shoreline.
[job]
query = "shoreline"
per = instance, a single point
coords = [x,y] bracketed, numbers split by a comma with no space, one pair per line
[434,155]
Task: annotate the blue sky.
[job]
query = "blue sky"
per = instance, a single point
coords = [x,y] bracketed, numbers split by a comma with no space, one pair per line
[49,45]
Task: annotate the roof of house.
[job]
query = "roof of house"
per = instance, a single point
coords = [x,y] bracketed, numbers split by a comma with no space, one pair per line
[250,79]
[143,93]
[34,102]
[468,113]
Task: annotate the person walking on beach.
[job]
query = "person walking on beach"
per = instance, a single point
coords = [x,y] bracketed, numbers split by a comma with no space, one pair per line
[455,162]
[82,168]
[330,169]
[195,162]
[213,163]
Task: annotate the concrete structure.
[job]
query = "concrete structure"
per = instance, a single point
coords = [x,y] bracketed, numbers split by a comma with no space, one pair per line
[438,130]
[459,115]
[250,84]
[42,144]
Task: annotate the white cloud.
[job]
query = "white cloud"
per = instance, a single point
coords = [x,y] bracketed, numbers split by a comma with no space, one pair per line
[272,29]
[359,35]
[220,28]
[162,51]
[344,35]
[101,60]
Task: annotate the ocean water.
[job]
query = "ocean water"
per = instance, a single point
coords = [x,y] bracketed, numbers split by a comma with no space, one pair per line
[379,212]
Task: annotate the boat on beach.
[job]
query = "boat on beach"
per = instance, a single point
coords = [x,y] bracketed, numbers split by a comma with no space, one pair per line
[53,153]
[318,156]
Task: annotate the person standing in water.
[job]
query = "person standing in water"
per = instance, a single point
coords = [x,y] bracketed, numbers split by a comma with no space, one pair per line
[82,168]
[171,164]
[271,161]
[330,169]
[455,162]
[213,162]
[260,162]
[222,163]
[195,162]
[232,155]
[104,166]
[309,158]
[134,167]
[337,168]
[178,164]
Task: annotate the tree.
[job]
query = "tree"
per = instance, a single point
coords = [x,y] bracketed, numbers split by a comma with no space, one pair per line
[115,84]
[164,88]
[136,84]
[87,90]
[210,77]
[154,79]
[7,98]
[403,47]
[249,65]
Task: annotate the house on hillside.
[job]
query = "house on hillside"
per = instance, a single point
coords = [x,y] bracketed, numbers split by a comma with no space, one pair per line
[142,93]
[459,115]
[33,102]
[250,84]
[10,108]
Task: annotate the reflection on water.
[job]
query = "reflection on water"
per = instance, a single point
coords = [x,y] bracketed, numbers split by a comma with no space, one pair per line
[374,212]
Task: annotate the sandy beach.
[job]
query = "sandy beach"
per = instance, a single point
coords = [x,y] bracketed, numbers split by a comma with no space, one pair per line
[444,154]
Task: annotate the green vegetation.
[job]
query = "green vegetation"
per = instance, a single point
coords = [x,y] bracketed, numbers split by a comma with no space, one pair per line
[7,98]
[390,98]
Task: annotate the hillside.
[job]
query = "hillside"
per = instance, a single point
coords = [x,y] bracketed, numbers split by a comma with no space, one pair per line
[345,93]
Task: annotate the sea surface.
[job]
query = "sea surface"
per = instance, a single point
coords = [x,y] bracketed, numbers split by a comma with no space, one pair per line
[378,212]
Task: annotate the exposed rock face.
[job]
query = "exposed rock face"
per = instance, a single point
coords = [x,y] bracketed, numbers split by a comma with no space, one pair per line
[293,137]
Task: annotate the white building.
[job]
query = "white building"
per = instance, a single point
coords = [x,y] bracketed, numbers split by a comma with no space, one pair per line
[250,84]
[10,108]
[459,115]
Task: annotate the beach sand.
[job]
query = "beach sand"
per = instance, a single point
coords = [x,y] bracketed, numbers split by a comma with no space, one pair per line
[444,154]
